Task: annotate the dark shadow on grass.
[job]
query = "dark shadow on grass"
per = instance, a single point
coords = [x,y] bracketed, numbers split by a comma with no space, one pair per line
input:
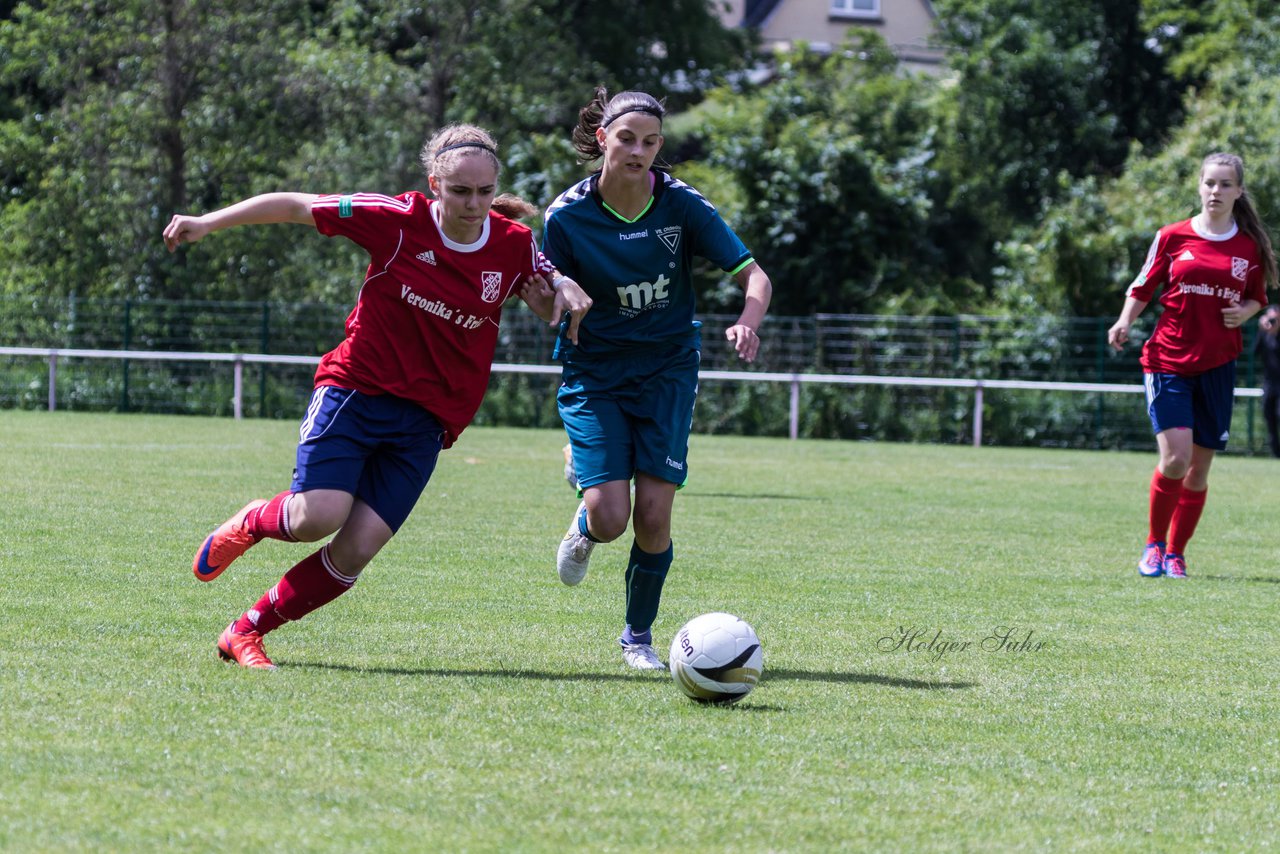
[865,679]
[770,675]
[444,671]
[1255,579]
[742,707]
[756,495]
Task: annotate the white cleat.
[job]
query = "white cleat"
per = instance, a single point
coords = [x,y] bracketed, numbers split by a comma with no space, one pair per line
[575,553]
[641,656]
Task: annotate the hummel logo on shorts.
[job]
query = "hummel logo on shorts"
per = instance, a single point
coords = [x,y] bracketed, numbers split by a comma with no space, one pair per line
[429,256]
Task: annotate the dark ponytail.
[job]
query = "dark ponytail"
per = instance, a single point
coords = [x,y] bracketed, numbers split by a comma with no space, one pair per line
[600,112]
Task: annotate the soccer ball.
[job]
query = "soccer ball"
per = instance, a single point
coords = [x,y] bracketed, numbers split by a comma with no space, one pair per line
[716,658]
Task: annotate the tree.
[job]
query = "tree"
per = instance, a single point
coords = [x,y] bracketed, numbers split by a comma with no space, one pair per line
[1044,88]
[832,165]
[116,113]
[1089,246]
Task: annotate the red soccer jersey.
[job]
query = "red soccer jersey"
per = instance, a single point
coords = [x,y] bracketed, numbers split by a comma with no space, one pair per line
[1201,274]
[425,324]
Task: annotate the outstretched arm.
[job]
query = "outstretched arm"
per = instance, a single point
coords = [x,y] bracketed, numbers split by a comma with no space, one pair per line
[258,210]
[759,291]
[1118,334]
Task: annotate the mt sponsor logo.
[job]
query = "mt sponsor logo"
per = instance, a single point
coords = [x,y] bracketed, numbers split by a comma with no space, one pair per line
[643,295]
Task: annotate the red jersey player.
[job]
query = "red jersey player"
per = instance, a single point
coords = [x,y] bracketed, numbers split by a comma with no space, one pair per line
[1214,270]
[404,382]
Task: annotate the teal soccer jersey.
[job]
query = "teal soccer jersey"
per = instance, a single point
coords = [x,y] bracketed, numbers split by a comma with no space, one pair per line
[638,273]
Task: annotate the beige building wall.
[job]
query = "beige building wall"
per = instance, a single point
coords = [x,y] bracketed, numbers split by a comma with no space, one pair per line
[905,24]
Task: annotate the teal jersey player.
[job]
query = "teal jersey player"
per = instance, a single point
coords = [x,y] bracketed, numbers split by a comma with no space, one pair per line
[638,272]
[628,236]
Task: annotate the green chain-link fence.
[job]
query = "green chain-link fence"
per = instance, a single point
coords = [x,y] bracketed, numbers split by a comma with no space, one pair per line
[1026,348]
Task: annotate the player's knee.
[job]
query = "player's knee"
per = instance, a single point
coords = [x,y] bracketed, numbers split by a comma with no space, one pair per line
[316,515]
[1175,464]
[652,522]
[351,558]
[607,522]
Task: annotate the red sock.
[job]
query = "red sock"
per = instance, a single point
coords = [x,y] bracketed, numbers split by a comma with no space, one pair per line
[1185,518]
[271,522]
[1164,500]
[315,581]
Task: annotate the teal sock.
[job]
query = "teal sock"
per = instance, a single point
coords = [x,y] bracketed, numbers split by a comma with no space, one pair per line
[582,525]
[645,576]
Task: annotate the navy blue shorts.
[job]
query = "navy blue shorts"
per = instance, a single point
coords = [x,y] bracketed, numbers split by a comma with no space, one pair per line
[380,448]
[1202,403]
[630,415]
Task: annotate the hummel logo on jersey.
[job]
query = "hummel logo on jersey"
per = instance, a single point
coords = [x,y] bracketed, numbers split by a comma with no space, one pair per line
[1186,256]
[429,256]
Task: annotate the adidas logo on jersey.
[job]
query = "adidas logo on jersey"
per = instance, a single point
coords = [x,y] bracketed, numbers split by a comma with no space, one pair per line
[429,256]
[1186,256]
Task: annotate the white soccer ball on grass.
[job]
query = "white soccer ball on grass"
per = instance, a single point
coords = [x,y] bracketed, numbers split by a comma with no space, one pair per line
[716,658]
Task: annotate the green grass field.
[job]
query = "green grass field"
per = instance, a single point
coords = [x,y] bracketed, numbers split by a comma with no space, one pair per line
[461,699]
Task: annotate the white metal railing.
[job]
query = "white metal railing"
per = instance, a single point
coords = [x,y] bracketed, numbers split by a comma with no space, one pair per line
[239,360]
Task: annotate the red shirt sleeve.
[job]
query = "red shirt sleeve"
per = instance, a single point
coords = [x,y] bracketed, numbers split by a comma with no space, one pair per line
[370,220]
[1155,270]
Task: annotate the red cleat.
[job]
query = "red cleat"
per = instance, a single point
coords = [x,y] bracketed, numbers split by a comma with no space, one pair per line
[244,649]
[224,545]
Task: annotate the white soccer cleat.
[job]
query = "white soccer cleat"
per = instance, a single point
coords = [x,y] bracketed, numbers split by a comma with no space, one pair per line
[641,656]
[575,553]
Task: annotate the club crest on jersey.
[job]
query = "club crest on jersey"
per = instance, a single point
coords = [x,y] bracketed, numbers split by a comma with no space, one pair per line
[490,286]
[1239,268]
[670,237]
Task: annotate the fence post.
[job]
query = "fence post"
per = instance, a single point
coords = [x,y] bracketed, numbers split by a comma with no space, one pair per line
[795,408]
[262,369]
[1100,336]
[977,415]
[53,381]
[124,386]
[1249,381]
[237,405]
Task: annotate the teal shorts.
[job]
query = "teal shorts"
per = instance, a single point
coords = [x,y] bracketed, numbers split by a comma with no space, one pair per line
[629,415]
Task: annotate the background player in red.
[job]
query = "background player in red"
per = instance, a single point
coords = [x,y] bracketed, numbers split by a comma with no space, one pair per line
[1214,270]
[406,380]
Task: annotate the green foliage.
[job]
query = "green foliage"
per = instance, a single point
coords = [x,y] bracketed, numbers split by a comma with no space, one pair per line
[1087,248]
[1028,177]
[832,165]
[1045,88]
[118,113]
[1198,35]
